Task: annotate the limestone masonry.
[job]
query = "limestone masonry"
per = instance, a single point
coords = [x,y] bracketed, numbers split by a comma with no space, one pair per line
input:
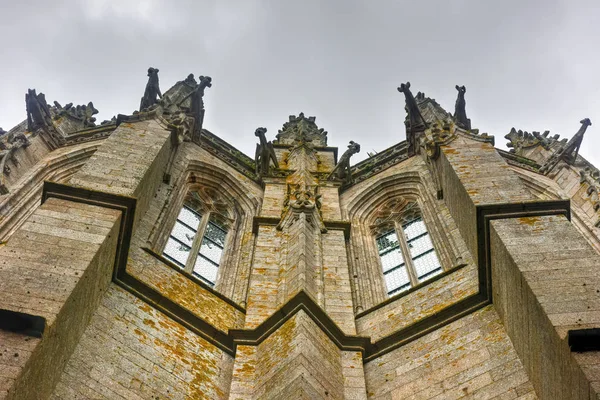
[146,258]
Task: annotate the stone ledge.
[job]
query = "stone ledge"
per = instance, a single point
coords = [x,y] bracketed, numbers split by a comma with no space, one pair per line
[301,301]
[329,224]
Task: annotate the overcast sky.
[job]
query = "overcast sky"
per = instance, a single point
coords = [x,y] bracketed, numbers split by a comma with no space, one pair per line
[534,65]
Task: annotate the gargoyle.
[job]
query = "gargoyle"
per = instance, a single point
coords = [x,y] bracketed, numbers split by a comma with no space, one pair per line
[414,115]
[265,153]
[152,90]
[460,112]
[342,169]
[197,104]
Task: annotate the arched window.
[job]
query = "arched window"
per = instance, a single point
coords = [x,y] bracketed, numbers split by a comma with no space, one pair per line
[198,238]
[405,248]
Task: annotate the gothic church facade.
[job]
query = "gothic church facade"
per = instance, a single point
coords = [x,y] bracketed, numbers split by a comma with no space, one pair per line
[146,258]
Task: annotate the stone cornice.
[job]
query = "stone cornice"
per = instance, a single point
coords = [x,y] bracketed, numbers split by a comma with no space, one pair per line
[229,154]
[301,301]
[519,161]
[379,162]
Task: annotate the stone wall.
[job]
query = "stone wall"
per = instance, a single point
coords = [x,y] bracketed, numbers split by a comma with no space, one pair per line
[472,358]
[131,351]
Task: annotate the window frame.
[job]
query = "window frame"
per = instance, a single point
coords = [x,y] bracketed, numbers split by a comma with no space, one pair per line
[408,264]
[194,252]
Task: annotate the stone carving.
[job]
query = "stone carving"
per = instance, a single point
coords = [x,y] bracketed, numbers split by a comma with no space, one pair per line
[182,125]
[38,112]
[439,134]
[197,104]
[342,170]
[265,153]
[9,143]
[460,111]
[198,94]
[416,120]
[591,176]
[303,197]
[152,90]
[301,129]
[111,121]
[519,140]
[84,113]
[567,153]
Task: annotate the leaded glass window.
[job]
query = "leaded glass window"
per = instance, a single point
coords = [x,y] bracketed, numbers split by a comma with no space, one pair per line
[407,255]
[196,244]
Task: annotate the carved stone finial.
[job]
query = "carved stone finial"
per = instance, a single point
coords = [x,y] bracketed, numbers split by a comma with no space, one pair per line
[460,112]
[301,129]
[38,112]
[265,153]
[342,169]
[152,90]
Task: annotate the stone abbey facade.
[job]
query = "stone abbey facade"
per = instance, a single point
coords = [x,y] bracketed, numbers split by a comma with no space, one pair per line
[146,258]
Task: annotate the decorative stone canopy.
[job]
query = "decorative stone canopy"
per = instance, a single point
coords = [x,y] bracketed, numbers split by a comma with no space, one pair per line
[301,129]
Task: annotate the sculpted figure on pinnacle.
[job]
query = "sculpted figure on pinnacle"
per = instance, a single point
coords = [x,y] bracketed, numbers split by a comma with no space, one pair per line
[460,112]
[197,105]
[414,115]
[152,90]
[342,169]
[264,153]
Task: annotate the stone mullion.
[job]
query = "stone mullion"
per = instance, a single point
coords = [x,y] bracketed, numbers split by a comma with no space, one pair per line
[195,249]
[408,262]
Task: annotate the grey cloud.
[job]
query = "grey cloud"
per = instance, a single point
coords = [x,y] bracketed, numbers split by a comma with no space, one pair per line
[531,65]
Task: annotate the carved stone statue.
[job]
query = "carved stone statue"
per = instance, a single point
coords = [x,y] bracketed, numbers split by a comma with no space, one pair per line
[38,112]
[460,112]
[264,153]
[342,169]
[414,115]
[197,104]
[569,152]
[152,90]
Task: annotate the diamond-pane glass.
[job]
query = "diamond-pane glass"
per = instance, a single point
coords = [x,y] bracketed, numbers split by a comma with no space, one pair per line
[397,280]
[211,251]
[420,246]
[183,233]
[387,242]
[205,269]
[189,217]
[177,252]
[216,234]
[414,228]
[427,266]
[391,259]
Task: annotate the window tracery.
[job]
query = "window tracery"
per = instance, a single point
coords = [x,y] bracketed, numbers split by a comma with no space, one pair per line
[198,239]
[404,245]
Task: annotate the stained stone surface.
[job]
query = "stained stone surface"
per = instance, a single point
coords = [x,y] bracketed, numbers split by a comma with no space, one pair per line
[157,332]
